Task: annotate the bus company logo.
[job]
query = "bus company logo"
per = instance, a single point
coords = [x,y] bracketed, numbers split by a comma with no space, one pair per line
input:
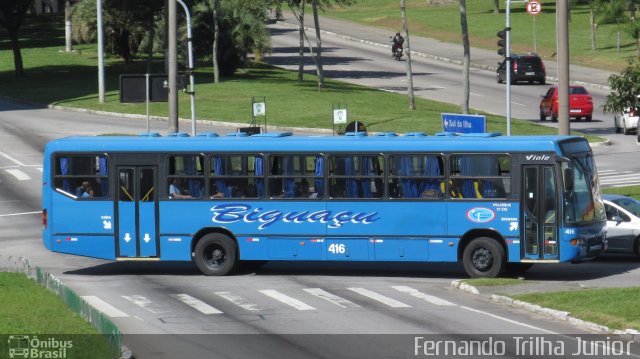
[32,347]
[235,212]
[537,157]
[481,215]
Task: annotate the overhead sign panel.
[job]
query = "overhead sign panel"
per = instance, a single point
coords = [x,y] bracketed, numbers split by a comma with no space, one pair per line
[454,122]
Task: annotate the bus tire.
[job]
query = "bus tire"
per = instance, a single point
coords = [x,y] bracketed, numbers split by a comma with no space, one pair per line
[216,254]
[483,258]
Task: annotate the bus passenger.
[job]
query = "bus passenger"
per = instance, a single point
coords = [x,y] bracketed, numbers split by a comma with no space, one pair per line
[85,190]
[176,191]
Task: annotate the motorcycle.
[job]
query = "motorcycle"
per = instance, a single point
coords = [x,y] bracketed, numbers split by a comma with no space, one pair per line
[397,49]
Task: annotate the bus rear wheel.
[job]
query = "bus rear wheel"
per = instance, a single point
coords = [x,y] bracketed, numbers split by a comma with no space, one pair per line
[483,258]
[215,254]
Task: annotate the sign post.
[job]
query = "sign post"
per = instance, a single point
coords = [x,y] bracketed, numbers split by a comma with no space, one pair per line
[534,8]
[458,123]
[340,115]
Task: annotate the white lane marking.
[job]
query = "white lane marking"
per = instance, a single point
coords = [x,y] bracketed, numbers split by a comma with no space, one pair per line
[380,298]
[339,301]
[19,214]
[196,303]
[145,303]
[103,306]
[11,159]
[239,301]
[611,171]
[18,174]
[418,294]
[507,320]
[475,94]
[619,177]
[519,104]
[283,298]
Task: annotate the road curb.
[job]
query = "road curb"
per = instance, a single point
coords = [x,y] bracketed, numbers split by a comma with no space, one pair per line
[553,313]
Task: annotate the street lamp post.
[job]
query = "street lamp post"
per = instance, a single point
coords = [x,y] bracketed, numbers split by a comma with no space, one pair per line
[192,89]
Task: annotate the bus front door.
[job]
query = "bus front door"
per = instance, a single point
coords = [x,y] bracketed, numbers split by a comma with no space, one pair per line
[539,214]
[136,212]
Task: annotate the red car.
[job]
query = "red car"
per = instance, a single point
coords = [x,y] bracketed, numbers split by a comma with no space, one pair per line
[580,104]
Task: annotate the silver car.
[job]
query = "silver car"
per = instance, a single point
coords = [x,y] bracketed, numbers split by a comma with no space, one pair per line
[623,224]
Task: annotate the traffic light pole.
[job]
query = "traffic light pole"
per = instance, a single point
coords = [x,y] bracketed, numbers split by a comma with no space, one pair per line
[504,49]
[508,65]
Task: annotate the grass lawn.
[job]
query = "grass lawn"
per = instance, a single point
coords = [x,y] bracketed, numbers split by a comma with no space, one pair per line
[443,22]
[70,79]
[631,191]
[616,308]
[29,309]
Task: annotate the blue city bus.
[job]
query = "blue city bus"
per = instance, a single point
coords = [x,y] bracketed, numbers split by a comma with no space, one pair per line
[490,202]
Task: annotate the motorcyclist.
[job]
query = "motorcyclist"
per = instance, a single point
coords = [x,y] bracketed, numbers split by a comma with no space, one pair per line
[398,40]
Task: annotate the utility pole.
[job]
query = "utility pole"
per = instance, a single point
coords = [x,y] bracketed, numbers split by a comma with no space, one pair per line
[562,30]
[173,67]
[405,28]
[100,53]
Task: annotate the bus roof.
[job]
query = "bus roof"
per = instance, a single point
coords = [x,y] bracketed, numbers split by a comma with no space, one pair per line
[285,142]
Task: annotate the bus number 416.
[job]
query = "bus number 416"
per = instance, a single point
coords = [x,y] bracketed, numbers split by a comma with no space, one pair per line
[337,248]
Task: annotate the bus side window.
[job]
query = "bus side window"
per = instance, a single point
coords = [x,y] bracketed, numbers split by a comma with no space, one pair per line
[82,176]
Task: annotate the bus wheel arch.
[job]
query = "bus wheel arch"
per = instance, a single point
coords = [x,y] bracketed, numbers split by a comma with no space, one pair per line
[483,254]
[215,251]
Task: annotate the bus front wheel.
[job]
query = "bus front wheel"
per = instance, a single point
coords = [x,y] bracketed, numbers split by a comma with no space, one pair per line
[483,258]
[215,254]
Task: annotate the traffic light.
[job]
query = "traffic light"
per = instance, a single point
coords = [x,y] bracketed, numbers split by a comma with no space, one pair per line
[502,42]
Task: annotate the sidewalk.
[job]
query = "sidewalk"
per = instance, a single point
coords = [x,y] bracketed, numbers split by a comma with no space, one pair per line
[442,51]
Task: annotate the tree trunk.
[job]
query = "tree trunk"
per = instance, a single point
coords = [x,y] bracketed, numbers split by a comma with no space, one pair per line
[618,42]
[405,28]
[496,6]
[301,49]
[466,61]
[216,37]
[67,26]
[316,21]
[17,55]
[592,21]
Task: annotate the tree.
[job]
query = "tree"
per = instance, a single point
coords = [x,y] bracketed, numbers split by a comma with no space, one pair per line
[467,56]
[625,89]
[316,22]
[12,14]
[126,24]
[632,29]
[496,6]
[241,31]
[615,13]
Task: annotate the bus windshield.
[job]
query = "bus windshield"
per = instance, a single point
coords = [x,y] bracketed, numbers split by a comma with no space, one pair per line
[583,204]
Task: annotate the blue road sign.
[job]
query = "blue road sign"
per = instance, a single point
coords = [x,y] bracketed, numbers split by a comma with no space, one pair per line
[453,122]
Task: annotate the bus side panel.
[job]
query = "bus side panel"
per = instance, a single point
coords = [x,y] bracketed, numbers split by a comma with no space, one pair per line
[83,227]
[443,249]
[175,248]
[397,219]
[296,248]
[502,217]
[401,249]
[90,246]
